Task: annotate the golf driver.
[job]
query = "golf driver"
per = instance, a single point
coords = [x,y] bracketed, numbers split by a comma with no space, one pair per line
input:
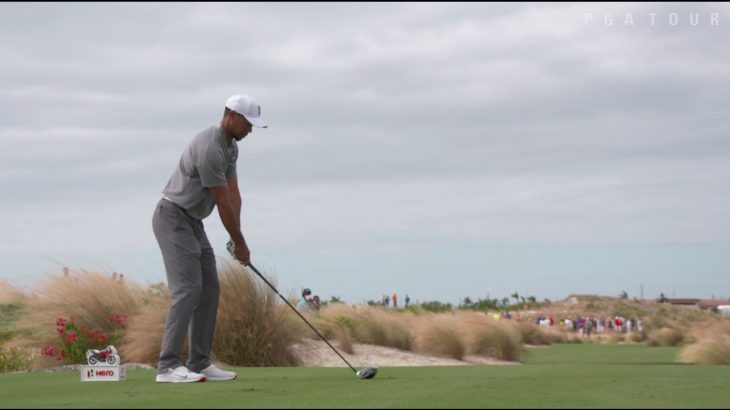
[366,373]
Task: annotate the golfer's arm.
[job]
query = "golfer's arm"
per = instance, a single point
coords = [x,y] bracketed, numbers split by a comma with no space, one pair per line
[224,203]
[235,199]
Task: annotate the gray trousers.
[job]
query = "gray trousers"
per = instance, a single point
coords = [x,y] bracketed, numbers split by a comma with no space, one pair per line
[193,281]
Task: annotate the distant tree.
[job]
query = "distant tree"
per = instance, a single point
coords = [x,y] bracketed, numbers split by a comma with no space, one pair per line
[335,299]
[624,295]
[486,304]
[516,296]
[480,304]
[532,299]
[436,306]
[505,302]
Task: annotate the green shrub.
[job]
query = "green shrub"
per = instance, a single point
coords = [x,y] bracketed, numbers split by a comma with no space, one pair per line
[13,359]
[436,306]
[9,314]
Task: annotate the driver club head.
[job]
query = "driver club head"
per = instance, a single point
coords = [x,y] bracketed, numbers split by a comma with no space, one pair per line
[367,373]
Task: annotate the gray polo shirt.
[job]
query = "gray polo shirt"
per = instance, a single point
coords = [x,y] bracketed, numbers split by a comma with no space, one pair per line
[206,162]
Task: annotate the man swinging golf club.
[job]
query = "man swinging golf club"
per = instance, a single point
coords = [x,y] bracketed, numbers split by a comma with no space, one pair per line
[204,178]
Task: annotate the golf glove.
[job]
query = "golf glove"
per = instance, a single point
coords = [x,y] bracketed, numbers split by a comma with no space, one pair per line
[231,248]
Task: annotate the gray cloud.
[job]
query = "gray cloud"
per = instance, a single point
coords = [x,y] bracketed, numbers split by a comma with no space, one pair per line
[394,126]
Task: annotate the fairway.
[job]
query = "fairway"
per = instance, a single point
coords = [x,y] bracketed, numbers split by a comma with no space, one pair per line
[560,376]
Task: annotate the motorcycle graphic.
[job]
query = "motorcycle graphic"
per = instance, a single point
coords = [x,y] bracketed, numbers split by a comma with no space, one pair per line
[109,356]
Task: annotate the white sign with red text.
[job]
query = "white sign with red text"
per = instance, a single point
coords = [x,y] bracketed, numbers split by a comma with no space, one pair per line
[103,373]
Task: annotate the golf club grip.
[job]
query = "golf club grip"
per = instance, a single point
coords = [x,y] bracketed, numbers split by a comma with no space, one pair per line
[253,268]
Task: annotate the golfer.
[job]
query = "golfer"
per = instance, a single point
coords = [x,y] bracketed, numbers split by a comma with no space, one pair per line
[204,178]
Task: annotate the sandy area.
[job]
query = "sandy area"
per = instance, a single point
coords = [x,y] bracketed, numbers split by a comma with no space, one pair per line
[315,353]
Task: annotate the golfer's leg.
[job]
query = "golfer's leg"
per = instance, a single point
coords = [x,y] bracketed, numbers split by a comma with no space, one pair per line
[202,325]
[181,254]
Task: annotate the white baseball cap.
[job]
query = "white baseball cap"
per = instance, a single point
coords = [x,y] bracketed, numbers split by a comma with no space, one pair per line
[246,106]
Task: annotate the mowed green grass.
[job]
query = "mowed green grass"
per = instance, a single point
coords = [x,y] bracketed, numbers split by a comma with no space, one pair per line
[560,376]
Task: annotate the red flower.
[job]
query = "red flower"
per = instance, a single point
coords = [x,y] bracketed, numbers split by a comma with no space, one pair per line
[77,339]
[48,350]
[119,318]
[71,338]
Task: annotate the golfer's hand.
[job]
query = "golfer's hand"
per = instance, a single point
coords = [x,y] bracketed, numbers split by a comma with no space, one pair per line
[241,253]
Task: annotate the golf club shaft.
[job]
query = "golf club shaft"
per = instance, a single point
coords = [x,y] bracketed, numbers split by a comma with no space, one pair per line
[300,315]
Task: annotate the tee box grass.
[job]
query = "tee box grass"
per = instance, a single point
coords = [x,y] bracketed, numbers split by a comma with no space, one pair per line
[559,376]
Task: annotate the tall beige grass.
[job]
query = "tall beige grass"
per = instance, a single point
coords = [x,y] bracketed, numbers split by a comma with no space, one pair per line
[452,335]
[87,298]
[143,338]
[90,298]
[531,334]
[341,332]
[254,328]
[638,337]
[498,339]
[666,337]
[379,327]
[712,347]
[612,338]
[336,321]
[369,325]
[574,339]
[10,294]
[440,335]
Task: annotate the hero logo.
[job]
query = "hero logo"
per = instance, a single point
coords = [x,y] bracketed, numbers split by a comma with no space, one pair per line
[102,373]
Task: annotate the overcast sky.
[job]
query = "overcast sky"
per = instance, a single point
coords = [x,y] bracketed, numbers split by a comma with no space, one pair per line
[435,150]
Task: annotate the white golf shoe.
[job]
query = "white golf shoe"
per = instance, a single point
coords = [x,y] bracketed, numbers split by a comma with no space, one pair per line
[180,375]
[213,373]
